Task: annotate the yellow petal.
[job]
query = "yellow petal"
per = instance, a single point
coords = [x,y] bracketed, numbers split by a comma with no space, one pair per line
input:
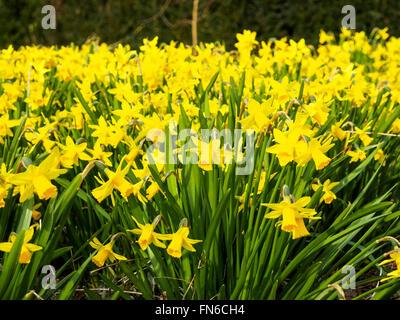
[33,247]
[6,246]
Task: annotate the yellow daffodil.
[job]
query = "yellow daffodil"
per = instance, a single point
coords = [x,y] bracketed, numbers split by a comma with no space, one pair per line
[152,190]
[364,137]
[258,116]
[286,146]
[357,155]
[36,215]
[380,156]
[26,249]
[116,180]
[42,135]
[105,252]
[178,240]
[98,153]
[4,183]
[72,152]
[148,235]
[394,257]
[37,179]
[328,195]
[395,128]
[313,150]
[338,132]
[5,126]
[292,214]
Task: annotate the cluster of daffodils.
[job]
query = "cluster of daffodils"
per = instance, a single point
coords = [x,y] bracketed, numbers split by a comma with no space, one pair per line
[134,116]
[148,236]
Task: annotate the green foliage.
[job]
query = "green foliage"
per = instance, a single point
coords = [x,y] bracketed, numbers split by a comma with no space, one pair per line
[130,21]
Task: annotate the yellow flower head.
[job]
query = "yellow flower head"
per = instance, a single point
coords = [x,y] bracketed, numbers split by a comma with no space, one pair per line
[328,195]
[394,257]
[292,214]
[148,235]
[116,181]
[357,155]
[26,249]
[37,179]
[105,252]
[180,239]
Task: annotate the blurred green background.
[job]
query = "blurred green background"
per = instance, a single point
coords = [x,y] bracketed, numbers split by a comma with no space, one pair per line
[129,21]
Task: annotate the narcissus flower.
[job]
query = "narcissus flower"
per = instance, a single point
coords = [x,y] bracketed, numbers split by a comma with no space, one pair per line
[4,183]
[72,153]
[37,179]
[357,155]
[105,252]
[5,126]
[136,191]
[98,153]
[328,195]
[338,132]
[292,214]
[180,239]
[394,257]
[246,40]
[395,128]
[26,249]
[258,116]
[152,190]
[285,148]
[42,135]
[380,156]
[366,140]
[314,150]
[148,235]
[116,180]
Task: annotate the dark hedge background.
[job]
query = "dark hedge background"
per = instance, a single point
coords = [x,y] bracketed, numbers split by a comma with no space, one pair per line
[129,21]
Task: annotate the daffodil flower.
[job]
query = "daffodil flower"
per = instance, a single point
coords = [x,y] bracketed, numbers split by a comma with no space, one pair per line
[292,214]
[285,148]
[178,240]
[380,156]
[99,154]
[148,235]
[4,183]
[37,179]
[116,180]
[26,249]
[357,155]
[105,252]
[394,257]
[152,190]
[36,215]
[366,140]
[338,132]
[314,150]
[42,135]
[72,153]
[328,195]
[395,127]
